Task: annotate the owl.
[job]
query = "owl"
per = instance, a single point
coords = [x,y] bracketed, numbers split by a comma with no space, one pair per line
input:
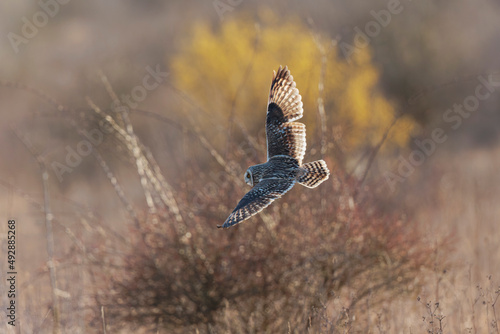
[286,146]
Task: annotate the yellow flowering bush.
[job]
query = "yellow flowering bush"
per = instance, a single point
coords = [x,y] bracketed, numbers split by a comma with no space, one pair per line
[228,70]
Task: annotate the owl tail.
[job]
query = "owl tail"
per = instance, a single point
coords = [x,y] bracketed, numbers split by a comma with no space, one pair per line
[314,173]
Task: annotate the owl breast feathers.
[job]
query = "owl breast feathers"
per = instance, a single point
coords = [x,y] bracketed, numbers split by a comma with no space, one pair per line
[286,147]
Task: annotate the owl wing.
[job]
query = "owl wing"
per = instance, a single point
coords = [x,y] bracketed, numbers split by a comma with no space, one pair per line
[263,194]
[285,137]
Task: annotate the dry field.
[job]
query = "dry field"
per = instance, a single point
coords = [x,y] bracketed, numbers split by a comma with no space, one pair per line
[127,128]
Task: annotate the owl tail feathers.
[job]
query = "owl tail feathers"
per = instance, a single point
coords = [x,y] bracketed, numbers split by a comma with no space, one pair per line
[314,173]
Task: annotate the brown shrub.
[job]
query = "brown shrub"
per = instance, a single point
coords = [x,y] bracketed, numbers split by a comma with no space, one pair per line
[260,277]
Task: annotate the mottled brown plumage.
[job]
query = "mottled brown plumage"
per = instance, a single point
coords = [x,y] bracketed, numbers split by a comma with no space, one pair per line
[286,146]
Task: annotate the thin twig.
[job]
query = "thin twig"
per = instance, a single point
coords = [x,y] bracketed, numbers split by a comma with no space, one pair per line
[497,293]
[130,140]
[321,93]
[116,186]
[161,185]
[34,91]
[90,215]
[375,150]
[48,227]
[103,320]
[232,109]
[215,123]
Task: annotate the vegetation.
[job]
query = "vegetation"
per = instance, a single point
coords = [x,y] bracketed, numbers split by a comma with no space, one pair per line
[228,71]
[125,197]
[285,269]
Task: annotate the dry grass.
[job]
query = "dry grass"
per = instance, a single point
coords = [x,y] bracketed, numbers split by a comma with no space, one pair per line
[330,260]
[318,261]
[127,242]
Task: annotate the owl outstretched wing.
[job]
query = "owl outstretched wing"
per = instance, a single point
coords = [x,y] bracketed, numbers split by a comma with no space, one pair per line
[284,136]
[265,192]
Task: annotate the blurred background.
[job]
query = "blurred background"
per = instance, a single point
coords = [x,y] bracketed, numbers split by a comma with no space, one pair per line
[144,115]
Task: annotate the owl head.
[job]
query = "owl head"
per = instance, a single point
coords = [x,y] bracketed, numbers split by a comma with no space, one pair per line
[255,173]
[249,177]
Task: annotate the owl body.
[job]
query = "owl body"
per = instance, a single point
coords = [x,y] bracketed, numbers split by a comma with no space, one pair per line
[286,147]
[278,167]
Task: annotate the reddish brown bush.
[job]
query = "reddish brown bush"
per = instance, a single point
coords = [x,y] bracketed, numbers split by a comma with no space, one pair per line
[269,273]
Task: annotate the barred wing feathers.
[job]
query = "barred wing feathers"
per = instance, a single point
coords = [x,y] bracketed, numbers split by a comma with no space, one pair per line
[284,136]
[263,194]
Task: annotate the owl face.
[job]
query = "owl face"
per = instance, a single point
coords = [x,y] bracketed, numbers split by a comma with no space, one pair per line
[249,177]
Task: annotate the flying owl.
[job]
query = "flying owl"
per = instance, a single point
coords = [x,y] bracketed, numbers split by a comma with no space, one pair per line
[286,146]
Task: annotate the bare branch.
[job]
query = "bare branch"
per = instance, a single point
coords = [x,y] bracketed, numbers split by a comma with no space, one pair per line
[48,227]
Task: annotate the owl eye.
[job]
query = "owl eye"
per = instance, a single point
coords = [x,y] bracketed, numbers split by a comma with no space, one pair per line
[248,177]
